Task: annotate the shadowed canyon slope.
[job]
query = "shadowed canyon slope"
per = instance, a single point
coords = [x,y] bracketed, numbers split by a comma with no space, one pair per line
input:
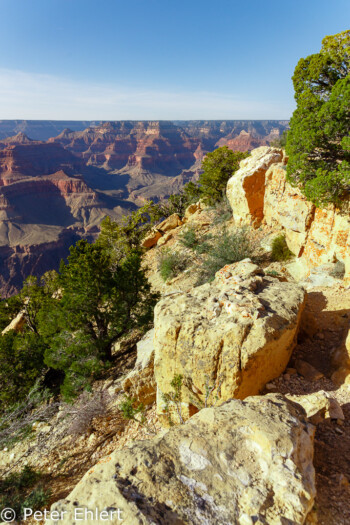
[55,191]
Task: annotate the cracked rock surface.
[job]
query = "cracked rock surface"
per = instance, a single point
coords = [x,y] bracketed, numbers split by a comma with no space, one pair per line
[232,336]
[246,462]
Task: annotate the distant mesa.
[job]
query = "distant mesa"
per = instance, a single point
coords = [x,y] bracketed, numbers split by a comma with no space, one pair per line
[20,138]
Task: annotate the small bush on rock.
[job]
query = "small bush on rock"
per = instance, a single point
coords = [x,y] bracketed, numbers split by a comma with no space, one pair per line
[171,264]
[280,250]
[174,399]
[196,242]
[227,248]
[135,413]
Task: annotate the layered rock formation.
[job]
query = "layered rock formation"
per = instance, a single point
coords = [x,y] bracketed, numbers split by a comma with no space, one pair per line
[47,203]
[80,176]
[231,336]
[245,462]
[40,129]
[259,193]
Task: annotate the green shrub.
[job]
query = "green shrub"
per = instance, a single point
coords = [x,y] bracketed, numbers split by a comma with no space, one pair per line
[173,399]
[171,264]
[280,250]
[227,248]
[273,273]
[102,300]
[197,242]
[135,413]
[18,372]
[189,238]
[218,166]
[318,143]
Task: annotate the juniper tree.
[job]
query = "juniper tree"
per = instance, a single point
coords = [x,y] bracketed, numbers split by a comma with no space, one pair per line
[318,143]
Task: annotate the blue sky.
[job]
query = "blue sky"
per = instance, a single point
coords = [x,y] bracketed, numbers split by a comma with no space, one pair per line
[157,59]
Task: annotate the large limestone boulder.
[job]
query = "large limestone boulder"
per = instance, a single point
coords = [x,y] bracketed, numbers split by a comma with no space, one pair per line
[246,188]
[232,336]
[139,383]
[318,406]
[156,234]
[329,238]
[259,192]
[245,462]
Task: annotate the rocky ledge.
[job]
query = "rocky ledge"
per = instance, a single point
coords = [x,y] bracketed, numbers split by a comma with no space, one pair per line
[246,462]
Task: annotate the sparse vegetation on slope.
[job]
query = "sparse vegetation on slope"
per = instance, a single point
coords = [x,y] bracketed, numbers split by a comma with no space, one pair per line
[226,248]
[171,263]
[21,490]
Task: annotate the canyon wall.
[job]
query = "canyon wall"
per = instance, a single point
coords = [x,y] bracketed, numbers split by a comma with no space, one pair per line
[260,194]
[73,180]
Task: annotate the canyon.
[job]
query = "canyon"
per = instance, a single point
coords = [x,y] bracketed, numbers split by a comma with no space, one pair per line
[59,179]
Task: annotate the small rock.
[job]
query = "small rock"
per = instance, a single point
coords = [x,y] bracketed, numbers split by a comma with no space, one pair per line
[291,371]
[271,387]
[308,371]
[320,335]
[338,430]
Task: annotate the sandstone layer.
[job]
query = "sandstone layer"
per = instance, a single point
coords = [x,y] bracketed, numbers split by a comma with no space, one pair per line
[140,384]
[246,189]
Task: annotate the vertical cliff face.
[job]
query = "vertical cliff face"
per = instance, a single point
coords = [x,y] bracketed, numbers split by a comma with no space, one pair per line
[260,194]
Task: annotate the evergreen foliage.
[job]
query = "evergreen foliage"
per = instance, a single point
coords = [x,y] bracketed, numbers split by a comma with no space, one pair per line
[218,166]
[318,143]
[119,239]
[280,250]
[22,362]
[101,300]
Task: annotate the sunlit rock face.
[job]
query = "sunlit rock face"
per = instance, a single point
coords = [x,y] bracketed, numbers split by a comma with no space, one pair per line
[222,466]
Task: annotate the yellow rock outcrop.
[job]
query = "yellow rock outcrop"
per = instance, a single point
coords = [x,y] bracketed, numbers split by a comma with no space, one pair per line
[259,193]
[233,336]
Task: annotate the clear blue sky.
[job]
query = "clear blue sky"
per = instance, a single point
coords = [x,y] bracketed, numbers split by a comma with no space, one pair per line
[157,59]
